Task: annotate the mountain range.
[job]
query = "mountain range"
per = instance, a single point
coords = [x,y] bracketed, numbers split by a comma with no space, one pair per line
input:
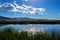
[3,18]
[19,18]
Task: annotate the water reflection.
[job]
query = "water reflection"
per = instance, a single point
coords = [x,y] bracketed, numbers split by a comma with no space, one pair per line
[44,27]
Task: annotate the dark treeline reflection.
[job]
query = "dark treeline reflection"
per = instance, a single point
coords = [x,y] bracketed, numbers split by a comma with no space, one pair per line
[12,34]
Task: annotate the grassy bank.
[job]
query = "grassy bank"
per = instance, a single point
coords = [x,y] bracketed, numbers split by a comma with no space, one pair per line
[29,21]
[11,34]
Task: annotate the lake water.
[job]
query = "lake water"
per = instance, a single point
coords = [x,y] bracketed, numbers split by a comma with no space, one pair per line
[45,27]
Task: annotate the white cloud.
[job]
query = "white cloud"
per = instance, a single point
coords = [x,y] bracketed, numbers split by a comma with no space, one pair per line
[0,6]
[26,0]
[7,6]
[23,8]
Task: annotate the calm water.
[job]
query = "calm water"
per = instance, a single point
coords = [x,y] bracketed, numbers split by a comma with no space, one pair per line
[46,27]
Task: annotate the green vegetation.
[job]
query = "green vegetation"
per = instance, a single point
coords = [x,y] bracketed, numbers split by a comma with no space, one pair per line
[11,34]
[29,21]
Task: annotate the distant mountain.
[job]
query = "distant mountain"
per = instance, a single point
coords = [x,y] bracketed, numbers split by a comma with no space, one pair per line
[19,18]
[3,18]
[23,18]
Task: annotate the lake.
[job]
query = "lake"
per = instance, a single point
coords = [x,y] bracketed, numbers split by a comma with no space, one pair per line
[45,27]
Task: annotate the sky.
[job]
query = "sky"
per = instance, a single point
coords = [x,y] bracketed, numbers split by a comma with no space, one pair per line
[40,9]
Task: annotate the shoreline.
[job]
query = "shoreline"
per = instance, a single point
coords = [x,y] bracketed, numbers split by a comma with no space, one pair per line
[29,21]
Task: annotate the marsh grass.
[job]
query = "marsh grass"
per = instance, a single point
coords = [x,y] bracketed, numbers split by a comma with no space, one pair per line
[10,34]
[29,21]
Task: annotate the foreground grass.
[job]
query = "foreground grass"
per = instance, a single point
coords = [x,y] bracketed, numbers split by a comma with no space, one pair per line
[11,34]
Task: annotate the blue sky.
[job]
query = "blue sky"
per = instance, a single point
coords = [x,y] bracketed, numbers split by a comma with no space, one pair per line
[42,9]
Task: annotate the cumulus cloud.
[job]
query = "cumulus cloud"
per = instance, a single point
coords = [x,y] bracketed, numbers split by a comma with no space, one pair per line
[13,7]
[25,0]
[6,6]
